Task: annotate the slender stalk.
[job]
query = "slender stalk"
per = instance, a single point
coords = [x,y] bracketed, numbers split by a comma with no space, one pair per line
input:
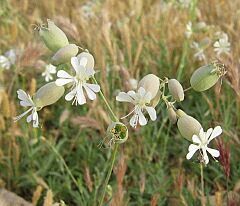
[113,157]
[64,164]
[114,153]
[202,185]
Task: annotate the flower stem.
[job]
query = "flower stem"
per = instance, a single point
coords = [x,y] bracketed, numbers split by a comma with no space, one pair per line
[114,153]
[202,185]
[106,103]
[113,157]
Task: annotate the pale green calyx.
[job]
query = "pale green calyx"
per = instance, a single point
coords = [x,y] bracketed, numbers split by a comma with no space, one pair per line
[48,94]
[53,37]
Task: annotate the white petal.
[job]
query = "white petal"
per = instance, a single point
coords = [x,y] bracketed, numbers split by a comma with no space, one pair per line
[209,132]
[70,95]
[132,94]
[21,115]
[142,120]
[196,139]
[148,96]
[123,97]
[61,82]
[75,63]
[83,61]
[213,152]
[152,113]
[29,118]
[80,96]
[216,132]
[93,87]
[35,119]
[134,120]
[25,99]
[191,150]
[90,93]
[64,75]
[141,91]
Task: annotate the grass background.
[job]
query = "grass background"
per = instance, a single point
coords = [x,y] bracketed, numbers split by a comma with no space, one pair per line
[128,39]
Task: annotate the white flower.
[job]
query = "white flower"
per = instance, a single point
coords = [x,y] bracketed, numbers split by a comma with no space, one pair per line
[140,100]
[8,59]
[26,101]
[189,30]
[199,51]
[79,81]
[49,70]
[202,142]
[222,45]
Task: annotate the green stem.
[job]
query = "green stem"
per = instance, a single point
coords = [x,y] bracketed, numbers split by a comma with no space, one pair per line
[114,153]
[65,165]
[202,185]
[106,103]
[113,157]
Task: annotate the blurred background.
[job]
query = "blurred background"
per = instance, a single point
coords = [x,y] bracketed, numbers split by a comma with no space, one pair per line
[129,39]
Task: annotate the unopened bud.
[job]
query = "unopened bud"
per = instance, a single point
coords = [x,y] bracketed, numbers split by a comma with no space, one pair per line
[118,132]
[48,94]
[207,76]
[176,90]
[64,54]
[53,37]
[88,58]
[172,115]
[150,83]
[188,126]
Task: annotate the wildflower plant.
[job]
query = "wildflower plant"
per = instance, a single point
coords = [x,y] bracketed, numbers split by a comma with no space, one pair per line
[150,90]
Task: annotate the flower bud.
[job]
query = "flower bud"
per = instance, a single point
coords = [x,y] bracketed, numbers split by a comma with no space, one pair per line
[118,131]
[150,83]
[188,126]
[89,59]
[176,90]
[48,94]
[172,115]
[64,54]
[53,37]
[207,76]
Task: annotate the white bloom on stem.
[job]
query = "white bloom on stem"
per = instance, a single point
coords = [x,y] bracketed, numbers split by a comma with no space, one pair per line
[8,59]
[199,51]
[49,70]
[202,141]
[140,100]
[189,30]
[222,45]
[26,101]
[79,81]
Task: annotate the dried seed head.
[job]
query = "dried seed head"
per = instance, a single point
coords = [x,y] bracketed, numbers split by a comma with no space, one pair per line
[118,132]
[64,54]
[48,94]
[172,115]
[188,126]
[176,90]
[89,58]
[53,37]
[207,76]
[150,83]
